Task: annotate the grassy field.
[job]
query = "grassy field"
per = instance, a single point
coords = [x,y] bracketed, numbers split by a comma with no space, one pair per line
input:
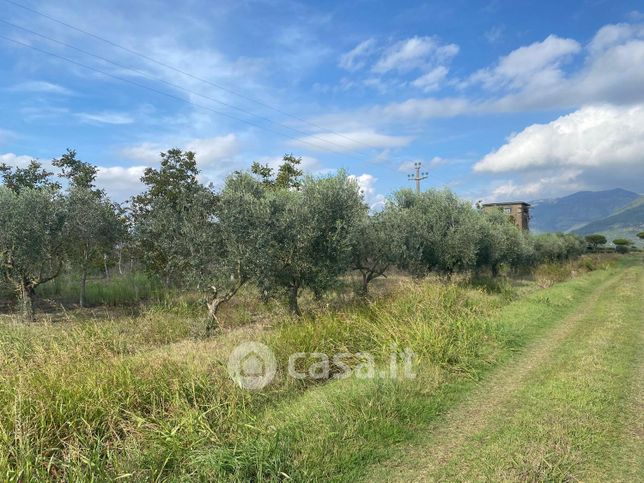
[568,409]
[144,396]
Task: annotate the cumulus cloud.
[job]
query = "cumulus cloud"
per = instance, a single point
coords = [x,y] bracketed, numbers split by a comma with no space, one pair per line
[414,53]
[589,137]
[120,182]
[367,184]
[352,141]
[565,181]
[611,35]
[12,159]
[532,78]
[209,151]
[535,64]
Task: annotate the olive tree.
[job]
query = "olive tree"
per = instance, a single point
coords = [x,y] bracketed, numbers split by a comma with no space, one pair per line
[376,244]
[232,242]
[32,231]
[552,247]
[199,239]
[32,236]
[500,241]
[310,235]
[94,228]
[439,232]
[93,222]
[159,215]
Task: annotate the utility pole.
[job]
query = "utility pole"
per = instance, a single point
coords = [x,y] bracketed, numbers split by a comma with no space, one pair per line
[418,177]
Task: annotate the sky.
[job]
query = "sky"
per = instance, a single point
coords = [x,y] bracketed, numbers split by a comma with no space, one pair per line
[499,100]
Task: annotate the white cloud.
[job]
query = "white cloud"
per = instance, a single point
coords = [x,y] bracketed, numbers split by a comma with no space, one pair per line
[432,80]
[531,78]
[356,58]
[144,152]
[612,35]
[209,150]
[367,183]
[41,87]
[414,53]
[120,182]
[414,109]
[534,64]
[562,182]
[12,159]
[592,136]
[352,141]
[116,118]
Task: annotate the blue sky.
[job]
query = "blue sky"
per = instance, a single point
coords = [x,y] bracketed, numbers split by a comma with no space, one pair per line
[498,99]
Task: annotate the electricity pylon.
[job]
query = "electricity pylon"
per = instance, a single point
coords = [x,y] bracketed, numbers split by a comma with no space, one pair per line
[418,177]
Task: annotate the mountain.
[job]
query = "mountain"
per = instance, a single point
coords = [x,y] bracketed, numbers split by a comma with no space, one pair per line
[577,210]
[625,223]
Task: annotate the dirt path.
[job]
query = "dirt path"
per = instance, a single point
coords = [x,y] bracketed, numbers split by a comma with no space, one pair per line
[420,461]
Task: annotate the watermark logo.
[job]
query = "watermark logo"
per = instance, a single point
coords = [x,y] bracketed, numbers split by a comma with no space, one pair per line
[252,365]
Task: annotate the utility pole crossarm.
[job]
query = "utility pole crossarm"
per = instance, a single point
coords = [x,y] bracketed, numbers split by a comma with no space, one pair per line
[418,176]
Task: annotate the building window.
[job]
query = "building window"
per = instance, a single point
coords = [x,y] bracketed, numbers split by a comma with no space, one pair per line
[507,211]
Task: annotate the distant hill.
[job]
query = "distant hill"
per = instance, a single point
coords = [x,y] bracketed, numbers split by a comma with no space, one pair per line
[626,222]
[576,211]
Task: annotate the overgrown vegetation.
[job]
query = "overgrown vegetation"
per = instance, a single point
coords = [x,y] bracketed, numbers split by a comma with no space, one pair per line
[282,233]
[143,397]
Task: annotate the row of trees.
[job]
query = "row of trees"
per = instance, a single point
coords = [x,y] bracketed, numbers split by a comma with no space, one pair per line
[622,245]
[280,231]
[44,230]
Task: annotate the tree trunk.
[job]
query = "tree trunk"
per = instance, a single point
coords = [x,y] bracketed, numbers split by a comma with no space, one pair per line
[495,270]
[292,300]
[215,302]
[81,300]
[213,321]
[365,284]
[107,272]
[26,296]
[121,262]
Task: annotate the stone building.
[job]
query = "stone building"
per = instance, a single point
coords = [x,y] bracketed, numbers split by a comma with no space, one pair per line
[518,210]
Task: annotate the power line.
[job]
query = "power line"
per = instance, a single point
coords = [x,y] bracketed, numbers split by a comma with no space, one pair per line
[192,76]
[171,84]
[172,96]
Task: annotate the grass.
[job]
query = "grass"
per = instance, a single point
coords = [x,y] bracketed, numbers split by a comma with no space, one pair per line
[566,410]
[117,290]
[143,397]
[567,422]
